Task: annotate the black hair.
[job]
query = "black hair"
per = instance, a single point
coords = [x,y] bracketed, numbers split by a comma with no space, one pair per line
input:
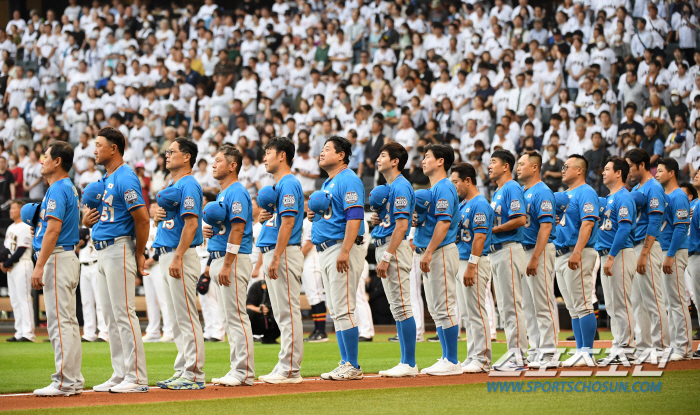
[396,151]
[64,151]
[283,145]
[444,152]
[187,146]
[139,116]
[536,156]
[506,157]
[233,155]
[638,156]
[580,157]
[671,165]
[690,189]
[113,136]
[341,144]
[619,164]
[465,171]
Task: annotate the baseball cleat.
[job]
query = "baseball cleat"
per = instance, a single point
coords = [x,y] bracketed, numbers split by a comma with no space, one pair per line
[476,367]
[444,368]
[400,371]
[383,372]
[104,387]
[434,339]
[466,362]
[227,380]
[676,357]
[577,360]
[327,376]
[150,338]
[129,387]
[163,383]
[184,384]
[436,364]
[509,366]
[547,361]
[347,372]
[167,339]
[276,378]
[365,339]
[696,355]
[394,339]
[317,337]
[53,391]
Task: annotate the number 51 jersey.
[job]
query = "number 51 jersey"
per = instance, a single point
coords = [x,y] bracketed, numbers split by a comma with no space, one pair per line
[122,195]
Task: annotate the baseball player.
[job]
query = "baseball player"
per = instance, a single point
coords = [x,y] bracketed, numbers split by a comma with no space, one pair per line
[674,245]
[576,256]
[416,278]
[694,249]
[19,267]
[93,317]
[280,244]
[231,215]
[615,247]
[313,284]
[507,256]
[476,221]
[213,329]
[539,301]
[337,234]
[648,303]
[153,289]
[436,240]
[179,233]
[363,312]
[115,223]
[392,252]
[57,269]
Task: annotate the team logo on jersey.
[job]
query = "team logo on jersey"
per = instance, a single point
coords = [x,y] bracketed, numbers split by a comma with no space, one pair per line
[546,206]
[498,197]
[529,196]
[467,210]
[401,203]
[480,219]
[111,185]
[588,208]
[236,208]
[189,203]
[351,197]
[50,205]
[442,205]
[515,204]
[681,214]
[288,201]
[623,212]
[130,196]
[654,203]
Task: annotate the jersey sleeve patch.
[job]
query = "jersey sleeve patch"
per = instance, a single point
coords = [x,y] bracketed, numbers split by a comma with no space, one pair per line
[236,208]
[623,212]
[130,196]
[351,197]
[480,218]
[442,205]
[288,201]
[681,214]
[654,203]
[588,208]
[50,205]
[401,202]
[189,203]
[515,205]
[546,206]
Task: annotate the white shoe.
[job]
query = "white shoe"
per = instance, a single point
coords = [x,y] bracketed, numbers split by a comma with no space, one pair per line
[327,375]
[444,368]
[577,360]
[347,372]
[509,366]
[227,380]
[475,367]
[545,362]
[466,362]
[436,365]
[384,372]
[150,339]
[104,387]
[129,387]
[52,391]
[166,339]
[276,378]
[676,357]
[401,371]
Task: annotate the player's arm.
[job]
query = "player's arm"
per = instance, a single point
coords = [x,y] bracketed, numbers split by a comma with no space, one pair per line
[234,238]
[653,232]
[583,235]
[680,233]
[441,228]
[477,249]
[624,228]
[48,244]
[189,230]
[542,239]
[284,232]
[351,230]
[516,217]
[142,226]
[396,238]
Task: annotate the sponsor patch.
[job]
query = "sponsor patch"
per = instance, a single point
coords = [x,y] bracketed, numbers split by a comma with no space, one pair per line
[401,202]
[130,196]
[588,208]
[351,197]
[442,205]
[654,203]
[546,206]
[623,212]
[498,197]
[111,185]
[681,214]
[480,219]
[50,205]
[288,201]
[236,208]
[189,203]
[515,204]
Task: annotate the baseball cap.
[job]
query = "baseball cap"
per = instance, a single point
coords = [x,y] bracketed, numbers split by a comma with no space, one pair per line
[319,202]
[639,199]
[675,92]
[556,31]
[139,164]
[423,200]
[84,234]
[214,214]
[378,197]
[267,198]
[30,213]
[561,201]
[169,199]
[92,194]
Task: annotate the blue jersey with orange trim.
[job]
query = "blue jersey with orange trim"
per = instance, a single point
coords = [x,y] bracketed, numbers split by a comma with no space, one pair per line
[677,212]
[508,202]
[694,231]
[290,202]
[63,203]
[170,231]
[620,207]
[239,208]
[583,206]
[476,217]
[347,191]
[656,200]
[445,207]
[401,203]
[539,206]
[122,195]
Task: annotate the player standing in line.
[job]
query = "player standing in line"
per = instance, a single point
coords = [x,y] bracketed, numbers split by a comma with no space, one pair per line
[436,241]
[615,247]
[651,328]
[694,249]
[93,316]
[674,244]
[115,224]
[577,233]
[507,256]
[19,268]
[175,244]
[153,289]
[231,267]
[280,244]
[57,269]
[338,239]
[313,284]
[539,302]
[393,255]
[476,221]
[416,278]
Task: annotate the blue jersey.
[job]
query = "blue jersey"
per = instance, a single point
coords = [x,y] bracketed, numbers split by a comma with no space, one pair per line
[445,207]
[290,202]
[583,206]
[539,200]
[694,231]
[508,202]
[656,200]
[239,208]
[677,212]
[170,231]
[401,203]
[122,196]
[347,191]
[60,202]
[476,217]
[620,207]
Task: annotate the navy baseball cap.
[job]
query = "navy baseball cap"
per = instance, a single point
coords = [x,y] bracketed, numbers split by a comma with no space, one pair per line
[92,194]
[267,198]
[424,198]
[378,197]
[214,214]
[561,201]
[319,202]
[30,213]
[169,199]
[639,199]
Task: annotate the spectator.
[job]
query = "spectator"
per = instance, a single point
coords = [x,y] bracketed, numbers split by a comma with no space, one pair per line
[305,168]
[597,156]
[259,309]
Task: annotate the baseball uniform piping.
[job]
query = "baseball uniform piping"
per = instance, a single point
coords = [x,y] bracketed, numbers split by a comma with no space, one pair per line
[126,299]
[289,302]
[512,285]
[444,273]
[685,320]
[58,317]
[238,307]
[546,290]
[624,293]
[583,288]
[398,272]
[478,304]
[189,313]
[656,300]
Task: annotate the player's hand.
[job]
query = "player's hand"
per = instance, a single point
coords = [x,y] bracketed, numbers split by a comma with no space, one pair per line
[574,260]
[532,266]
[206,271]
[382,268]
[607,268]
[31,231]
[207,231]
[141,264]
[160,214]
[264,310]
[264,215]
[470,275]
[375,219]
[224,275]
[90,217]
[342,263]
[175,269]
[255,274]
[310,214]
[38,278]
[272,269]
[642,263]
[425,261]
[668,265]
[414,220]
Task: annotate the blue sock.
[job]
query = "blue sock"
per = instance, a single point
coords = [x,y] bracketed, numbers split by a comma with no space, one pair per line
[588,327]
[408,327]
[399,332]
[451,335]
[441,336]
[351,338]
[576,324]
[341,346]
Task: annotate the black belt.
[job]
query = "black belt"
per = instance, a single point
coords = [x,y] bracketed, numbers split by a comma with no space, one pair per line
[498,247]
[266,249]
[217,254]
[422,250]
[88,263]
[65,248]
[166,249]
[693,253]
[603,252]
[528,247]
[325,245]
[100,245]
[385,240]
[565,250]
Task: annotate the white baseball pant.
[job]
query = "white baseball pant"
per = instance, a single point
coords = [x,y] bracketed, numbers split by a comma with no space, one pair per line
[93,319]
[507,270]
[341,288]
[20,291]
[213,325]
[441,287]
[618,297]
[363,312]
[539,302]
[651,328]
[472,302]
[416,278]
[397,285]
[311,279]
[679,324]
[155,303]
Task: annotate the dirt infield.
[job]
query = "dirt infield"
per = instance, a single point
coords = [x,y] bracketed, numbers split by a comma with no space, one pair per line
[155,395]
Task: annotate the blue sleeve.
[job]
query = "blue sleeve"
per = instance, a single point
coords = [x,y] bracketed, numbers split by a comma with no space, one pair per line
[588,206]
[626,211]
[680,232]
[354,213]
[514,196]
[130,189]
[445,205]
[654,226]
[354,194]
[545,208]
[191,202]
[623,231]
[287,200]
[239,207]
[403,204]
[480,219]
[656,200]
[56,203]
[680,209]
[659,148]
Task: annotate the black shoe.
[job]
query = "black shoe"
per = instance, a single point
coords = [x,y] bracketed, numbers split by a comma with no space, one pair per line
[394,339]
[311,337]
[609,361]
[12,339]
[597,336]
[268,341]
[696,355]
[435,339]
[100,340]
[317,337]
[572,338]
[215,340]
[365,339]
[84,340]
[207,339]
[697,335]
[24,340]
